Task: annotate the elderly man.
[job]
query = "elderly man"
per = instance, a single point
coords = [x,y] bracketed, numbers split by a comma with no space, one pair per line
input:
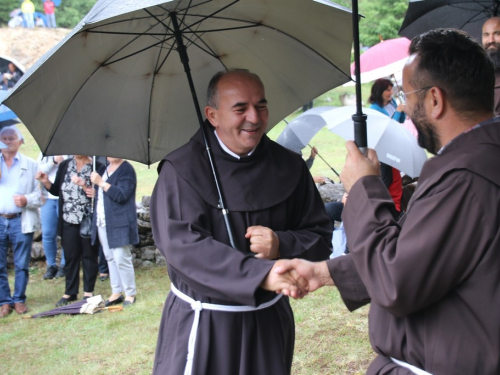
[237,326]
[432,278]
[20,197]
[491,43]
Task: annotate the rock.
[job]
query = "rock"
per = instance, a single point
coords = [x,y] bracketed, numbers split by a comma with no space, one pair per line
[145,200]
[37,236]
[148,253]
[145,240]
[147,264]
[37,252]
[144,226]
[143,214]
[331,192]
[160,259]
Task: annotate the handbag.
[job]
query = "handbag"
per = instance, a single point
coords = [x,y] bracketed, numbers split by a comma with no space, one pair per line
[86,224]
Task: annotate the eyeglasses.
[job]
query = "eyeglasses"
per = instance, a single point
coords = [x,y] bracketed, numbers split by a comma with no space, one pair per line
[403,95]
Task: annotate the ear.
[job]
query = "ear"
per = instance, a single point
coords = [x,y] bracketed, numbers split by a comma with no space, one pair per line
[211,115]
[437,102]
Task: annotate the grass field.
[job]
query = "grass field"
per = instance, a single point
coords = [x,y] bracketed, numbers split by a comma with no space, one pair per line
[329,339]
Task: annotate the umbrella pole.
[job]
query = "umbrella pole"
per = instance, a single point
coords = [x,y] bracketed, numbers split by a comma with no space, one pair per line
[181,49]
[359,118]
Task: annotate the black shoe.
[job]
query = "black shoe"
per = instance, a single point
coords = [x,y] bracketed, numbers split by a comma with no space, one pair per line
[60,273]
[86,297]
[114,302]
[128,303]
[51,273]
[103,277]
[64,301]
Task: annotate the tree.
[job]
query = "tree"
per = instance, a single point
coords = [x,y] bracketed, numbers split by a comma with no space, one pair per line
[70,12]
[383,18]
[7,6]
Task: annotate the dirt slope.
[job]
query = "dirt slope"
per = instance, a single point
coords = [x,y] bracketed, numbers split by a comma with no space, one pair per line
[28,45]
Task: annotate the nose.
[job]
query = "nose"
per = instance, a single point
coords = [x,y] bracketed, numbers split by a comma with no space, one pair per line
[253,115]
[490,39]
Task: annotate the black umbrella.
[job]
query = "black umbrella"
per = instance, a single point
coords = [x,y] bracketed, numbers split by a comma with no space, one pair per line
[90,305]
[466,15]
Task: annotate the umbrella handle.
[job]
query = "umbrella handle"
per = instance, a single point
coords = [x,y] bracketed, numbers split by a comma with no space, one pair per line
[359,118]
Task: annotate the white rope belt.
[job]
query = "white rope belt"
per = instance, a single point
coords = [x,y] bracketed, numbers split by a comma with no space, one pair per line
[412,368]
[197,306]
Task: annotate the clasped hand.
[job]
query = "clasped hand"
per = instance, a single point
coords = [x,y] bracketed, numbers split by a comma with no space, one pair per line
[297,277]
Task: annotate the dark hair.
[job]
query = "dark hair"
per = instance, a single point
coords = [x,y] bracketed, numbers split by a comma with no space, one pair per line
[212,93]
[378,87]
[451,60]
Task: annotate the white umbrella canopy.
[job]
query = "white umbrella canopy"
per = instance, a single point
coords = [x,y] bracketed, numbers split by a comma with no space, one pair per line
[394,144]
[116,86]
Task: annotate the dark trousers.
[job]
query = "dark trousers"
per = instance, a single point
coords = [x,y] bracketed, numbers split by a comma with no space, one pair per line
[334,210]
[76,249]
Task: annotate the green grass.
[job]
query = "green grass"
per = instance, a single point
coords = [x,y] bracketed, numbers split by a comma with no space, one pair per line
[329,339]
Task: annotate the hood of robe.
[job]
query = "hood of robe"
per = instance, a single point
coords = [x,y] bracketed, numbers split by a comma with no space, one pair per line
[477,150]
[256,182]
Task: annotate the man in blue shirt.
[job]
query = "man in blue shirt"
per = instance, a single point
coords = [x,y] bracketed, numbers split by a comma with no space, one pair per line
[20,197]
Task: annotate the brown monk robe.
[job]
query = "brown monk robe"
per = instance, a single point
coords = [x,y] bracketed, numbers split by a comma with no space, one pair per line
[272,188]
[434,277]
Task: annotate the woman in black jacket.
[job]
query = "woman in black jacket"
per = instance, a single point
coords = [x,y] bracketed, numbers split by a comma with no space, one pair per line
[72,185]
[115,224]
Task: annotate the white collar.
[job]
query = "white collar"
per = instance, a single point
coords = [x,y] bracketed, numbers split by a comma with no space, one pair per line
[225,148]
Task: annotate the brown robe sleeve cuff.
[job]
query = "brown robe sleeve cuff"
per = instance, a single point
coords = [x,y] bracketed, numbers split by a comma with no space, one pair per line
[346,279]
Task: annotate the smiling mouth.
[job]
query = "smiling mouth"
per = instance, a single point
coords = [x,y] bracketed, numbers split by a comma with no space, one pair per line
[250,131]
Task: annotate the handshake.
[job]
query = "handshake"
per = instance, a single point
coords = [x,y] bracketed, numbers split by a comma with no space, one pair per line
[297,277]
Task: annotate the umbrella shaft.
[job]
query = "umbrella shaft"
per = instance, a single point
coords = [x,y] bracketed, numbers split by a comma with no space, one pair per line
[181,49]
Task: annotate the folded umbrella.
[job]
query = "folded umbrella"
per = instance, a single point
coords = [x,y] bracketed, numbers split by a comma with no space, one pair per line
[90,305]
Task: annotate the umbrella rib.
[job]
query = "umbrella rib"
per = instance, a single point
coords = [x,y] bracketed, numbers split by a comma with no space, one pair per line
[184,31]
[134,53]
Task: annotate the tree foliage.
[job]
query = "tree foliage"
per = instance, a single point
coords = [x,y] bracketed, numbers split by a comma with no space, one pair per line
[70,12]
[383,18]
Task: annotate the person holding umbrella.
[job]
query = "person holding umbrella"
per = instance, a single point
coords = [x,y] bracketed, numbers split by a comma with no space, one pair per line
[219,313]
[73,187]
[432,278]
[381,100]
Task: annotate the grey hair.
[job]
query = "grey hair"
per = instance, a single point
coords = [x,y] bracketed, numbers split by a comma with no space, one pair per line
[14,129]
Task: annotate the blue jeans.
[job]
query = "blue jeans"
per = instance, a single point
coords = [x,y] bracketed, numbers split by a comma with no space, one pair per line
[10,231]
[49,215]
[51,20]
